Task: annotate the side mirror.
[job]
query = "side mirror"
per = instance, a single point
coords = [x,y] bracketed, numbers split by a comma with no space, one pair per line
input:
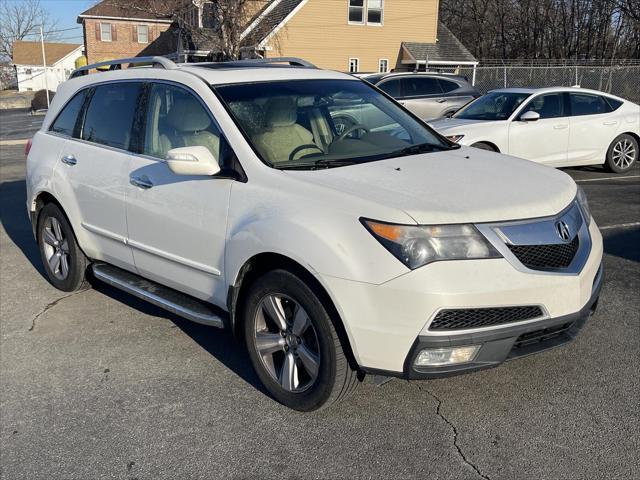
[530,116]
[192,161]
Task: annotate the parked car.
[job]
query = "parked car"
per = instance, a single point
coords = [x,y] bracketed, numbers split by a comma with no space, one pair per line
[556,126]
[429,95]
[224,194]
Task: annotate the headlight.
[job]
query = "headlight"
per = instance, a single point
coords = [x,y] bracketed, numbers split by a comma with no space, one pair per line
[584,205]
[455,138]
[416,246]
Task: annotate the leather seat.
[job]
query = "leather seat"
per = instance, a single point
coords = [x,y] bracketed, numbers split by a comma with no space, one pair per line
[187,124]
[282,135]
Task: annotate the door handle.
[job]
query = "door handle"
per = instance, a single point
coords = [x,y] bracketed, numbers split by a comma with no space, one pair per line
[560,127]
[442,100]
[141,182]
[69,160]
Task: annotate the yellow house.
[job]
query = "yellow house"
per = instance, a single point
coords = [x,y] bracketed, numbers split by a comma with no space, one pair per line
[356,35]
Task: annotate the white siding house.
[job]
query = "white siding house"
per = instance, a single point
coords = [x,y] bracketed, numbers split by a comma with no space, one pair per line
[27,58]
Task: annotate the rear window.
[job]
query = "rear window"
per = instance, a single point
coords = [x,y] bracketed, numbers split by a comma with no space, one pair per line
[447,85]
[110,114]
[67,120]
[585,104]
[613,103]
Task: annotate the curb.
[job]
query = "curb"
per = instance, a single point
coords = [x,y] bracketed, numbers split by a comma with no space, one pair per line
[13,142]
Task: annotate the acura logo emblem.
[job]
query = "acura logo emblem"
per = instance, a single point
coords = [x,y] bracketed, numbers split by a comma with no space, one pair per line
[563,230]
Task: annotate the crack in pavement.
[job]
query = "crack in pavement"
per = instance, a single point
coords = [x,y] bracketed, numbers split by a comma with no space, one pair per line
[49,306]
[455,434]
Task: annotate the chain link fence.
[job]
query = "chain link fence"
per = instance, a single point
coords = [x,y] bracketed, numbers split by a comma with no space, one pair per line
[620,80]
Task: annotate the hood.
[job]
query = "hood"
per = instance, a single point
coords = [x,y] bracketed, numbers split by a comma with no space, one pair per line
[458,186]
[449,124]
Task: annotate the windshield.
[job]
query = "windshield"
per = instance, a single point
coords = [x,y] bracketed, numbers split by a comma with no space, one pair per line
[322,123]
[492,106]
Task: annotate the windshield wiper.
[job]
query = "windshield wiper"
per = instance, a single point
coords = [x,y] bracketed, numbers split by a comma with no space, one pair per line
[423,148]
[317,164]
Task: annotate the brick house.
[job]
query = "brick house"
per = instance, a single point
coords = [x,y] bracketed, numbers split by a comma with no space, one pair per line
[112,32]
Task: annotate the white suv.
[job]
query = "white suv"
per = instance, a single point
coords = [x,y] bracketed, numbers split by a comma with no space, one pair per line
[223,193]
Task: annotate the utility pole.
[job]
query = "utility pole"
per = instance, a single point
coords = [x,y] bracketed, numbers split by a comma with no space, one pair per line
[44,64]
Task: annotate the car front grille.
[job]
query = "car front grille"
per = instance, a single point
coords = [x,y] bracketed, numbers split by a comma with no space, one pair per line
[544,257]
[461,319]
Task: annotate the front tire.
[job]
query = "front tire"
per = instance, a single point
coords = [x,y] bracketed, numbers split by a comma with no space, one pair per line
[293,345]
[622,154]
[64,263]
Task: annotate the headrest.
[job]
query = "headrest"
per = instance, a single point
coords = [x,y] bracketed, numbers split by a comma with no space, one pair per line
[188,115]
[281,112]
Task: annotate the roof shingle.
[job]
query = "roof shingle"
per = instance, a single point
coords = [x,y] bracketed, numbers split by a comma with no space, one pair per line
[119,9]
[447,48]
[268,19]
[30,53]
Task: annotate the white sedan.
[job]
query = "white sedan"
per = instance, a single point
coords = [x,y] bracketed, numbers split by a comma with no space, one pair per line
[556,126]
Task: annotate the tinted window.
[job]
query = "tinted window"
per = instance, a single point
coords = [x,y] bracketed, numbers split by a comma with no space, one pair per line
[418,86]
[176,119]
[548,106]
[391,87]
[110,115]
[615,104]
[447,86]
[584,104]
[66,121]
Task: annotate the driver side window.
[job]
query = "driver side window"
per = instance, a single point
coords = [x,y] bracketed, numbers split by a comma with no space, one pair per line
[175,119]
[548,106]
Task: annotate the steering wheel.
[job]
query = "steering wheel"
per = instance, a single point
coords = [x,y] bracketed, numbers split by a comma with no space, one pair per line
[304,147]
[351,129]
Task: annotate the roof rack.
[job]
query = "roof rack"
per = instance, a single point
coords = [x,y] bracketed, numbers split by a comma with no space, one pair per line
[117,64]
[259,62]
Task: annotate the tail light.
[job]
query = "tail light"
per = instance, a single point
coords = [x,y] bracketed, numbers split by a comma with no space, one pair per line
[27,147]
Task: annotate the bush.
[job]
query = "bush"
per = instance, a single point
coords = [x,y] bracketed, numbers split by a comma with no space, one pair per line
[39,101]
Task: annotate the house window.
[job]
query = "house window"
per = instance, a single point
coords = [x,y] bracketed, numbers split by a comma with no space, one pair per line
[105,32]
[354,65]
[383,65]
[143,33]
[356,11]
[374,11]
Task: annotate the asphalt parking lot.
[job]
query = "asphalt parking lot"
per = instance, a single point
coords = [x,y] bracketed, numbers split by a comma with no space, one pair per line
[97,384]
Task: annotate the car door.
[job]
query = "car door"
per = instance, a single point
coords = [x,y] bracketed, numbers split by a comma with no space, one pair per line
[592,128]
[177,224]
[423,96]
[545,140]
[92,175]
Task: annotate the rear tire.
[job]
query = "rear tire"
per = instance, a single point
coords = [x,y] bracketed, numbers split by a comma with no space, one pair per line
[64,263]
[484,146]
[622,154]
[293,345]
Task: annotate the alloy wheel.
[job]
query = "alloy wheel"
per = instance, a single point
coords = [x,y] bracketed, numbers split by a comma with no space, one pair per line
[56,248]
[624,153]
[287,342]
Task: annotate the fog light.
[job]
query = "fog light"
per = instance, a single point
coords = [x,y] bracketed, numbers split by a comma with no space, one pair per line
[435,357]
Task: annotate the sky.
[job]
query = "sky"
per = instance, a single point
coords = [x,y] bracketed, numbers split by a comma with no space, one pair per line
[65,12]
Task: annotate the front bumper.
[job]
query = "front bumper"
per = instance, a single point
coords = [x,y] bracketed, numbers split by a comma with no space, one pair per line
[507,343]
[388,324]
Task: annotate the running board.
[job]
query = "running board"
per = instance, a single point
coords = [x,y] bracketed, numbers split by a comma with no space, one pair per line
[164,297]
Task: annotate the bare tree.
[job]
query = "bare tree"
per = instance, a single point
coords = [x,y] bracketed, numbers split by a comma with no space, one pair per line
[21,19]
